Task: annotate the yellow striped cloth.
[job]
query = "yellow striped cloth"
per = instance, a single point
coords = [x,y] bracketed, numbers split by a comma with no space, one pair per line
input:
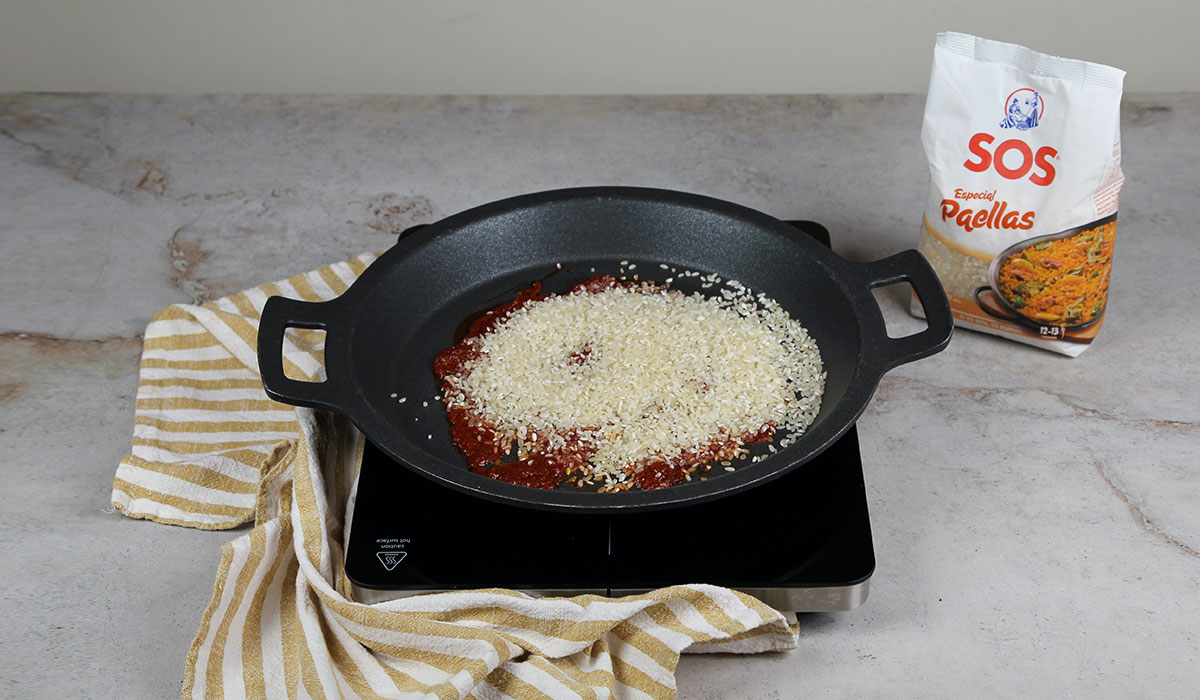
[211,451]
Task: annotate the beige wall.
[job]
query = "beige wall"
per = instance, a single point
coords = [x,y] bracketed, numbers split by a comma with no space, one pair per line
[562,46]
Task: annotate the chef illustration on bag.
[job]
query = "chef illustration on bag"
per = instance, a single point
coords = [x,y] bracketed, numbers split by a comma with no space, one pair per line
[1025,106]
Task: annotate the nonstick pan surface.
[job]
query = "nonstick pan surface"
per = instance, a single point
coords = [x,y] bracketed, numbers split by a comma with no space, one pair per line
[383,333]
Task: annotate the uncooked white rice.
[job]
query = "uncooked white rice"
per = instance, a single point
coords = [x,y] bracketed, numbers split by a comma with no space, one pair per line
[961,274]
[665,372]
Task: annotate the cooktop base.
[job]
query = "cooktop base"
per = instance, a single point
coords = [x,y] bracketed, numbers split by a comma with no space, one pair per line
[801,542]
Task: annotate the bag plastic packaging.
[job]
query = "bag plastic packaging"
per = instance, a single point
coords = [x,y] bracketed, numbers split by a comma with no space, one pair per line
[1024,157]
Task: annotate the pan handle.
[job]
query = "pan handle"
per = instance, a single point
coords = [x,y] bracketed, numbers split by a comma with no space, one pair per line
[278,315]
[910,266]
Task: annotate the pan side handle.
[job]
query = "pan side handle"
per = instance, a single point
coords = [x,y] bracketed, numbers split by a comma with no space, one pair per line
[278,315]
[912,267]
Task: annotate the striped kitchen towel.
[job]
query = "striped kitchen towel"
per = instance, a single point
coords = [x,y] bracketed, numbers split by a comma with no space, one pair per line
[211,451]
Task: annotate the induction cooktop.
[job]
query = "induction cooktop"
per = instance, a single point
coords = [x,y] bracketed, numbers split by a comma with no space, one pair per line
[801,542]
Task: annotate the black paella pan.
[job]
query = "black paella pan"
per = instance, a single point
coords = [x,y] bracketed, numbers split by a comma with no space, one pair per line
[383,333]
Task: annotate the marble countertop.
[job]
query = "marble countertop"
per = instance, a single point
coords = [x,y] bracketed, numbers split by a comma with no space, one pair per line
[1035,517]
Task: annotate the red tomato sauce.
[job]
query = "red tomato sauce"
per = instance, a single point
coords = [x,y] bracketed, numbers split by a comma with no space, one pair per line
[544,466]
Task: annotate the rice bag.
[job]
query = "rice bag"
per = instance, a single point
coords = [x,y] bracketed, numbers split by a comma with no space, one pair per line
[1024,157]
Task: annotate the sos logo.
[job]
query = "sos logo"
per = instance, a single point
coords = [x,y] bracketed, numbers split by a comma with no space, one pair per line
[1013,159]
